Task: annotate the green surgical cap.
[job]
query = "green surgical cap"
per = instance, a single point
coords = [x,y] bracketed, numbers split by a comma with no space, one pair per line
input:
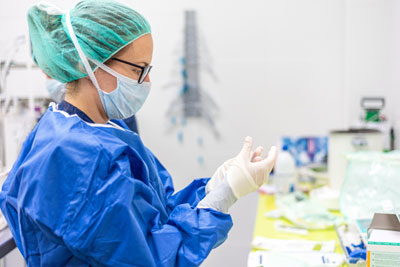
[103,27]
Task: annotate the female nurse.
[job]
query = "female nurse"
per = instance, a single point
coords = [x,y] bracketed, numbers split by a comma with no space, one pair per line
[85,191]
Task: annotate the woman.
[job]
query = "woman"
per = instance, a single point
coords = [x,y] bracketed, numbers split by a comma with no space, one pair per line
[84,190]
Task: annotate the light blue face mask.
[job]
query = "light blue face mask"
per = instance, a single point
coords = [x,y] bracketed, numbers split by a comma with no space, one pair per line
[125,100]
[56,90]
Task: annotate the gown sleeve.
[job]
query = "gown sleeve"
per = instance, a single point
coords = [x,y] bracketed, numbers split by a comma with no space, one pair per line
[114,223]
[191,194]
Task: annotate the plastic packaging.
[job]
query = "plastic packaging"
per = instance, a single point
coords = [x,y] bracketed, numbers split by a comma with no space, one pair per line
[310,259]
[372,184]
[303,212]
[292,245]
[285,172]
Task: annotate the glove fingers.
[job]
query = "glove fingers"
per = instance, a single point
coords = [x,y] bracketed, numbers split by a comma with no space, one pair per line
[257,159]
[269,162]
[247,147]
[257,153]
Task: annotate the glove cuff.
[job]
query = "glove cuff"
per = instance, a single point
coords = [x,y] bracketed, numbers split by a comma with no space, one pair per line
[220,199]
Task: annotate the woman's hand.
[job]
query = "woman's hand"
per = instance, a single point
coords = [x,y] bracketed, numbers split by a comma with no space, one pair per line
[247,172]
[220,173]
[238,177]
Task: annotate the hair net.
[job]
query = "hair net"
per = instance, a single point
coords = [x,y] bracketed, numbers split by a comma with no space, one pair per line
[102,27]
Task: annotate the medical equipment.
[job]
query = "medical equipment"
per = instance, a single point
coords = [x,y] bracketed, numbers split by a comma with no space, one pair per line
[307,150]
[221,198]
[372,118]
[343,142]
[306,213]
[352,244]
[311,259]
[372,185]
[326,197]
[125,100]
[218,176]
[362,227]
[283,227]
[220,173]
[245,176]
[284,245]
[314,174]
[282,252]
[384,241]
[372,107]
[285,176]
[193,103]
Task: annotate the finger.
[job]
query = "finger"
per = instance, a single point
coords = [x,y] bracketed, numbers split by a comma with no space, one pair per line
[257,159]
[247,146]
[270,160]
[272,156]
[257,153]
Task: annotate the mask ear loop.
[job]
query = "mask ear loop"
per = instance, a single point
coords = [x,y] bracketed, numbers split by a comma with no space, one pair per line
[82,55]
[111,71]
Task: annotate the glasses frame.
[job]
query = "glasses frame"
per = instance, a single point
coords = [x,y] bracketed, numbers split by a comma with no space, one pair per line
[143,74]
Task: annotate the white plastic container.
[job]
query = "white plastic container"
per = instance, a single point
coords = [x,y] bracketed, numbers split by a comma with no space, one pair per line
[285,176]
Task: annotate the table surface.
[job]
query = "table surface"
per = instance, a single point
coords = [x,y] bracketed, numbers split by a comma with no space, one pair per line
[265,227]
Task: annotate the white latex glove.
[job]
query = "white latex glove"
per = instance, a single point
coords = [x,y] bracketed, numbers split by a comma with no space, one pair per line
[221,198]
[218,176]
[220,173]
[245,176]
[238,177]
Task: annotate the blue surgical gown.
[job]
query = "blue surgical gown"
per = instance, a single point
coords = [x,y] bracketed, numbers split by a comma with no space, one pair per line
[85,194]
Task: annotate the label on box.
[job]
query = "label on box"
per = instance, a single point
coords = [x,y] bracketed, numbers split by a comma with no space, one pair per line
[379,259]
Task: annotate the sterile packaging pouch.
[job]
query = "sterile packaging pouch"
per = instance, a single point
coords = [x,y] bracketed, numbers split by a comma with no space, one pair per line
[372,184]
[306,213]
[311,259]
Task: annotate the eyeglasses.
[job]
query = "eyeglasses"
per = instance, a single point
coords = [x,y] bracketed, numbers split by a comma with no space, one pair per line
[143,74]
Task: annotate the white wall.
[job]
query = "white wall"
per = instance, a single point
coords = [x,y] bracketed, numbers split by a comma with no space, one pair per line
[369,52]
[284,66]
[280,72]
[394,95]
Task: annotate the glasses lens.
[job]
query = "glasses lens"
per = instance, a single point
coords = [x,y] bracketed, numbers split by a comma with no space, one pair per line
[145,72]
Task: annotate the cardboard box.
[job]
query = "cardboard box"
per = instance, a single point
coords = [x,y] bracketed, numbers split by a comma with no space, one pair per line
[383,248]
